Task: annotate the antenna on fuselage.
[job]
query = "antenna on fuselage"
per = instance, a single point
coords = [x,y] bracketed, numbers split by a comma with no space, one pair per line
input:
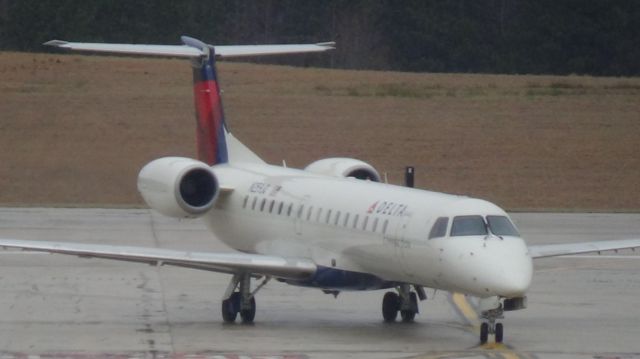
[409,174]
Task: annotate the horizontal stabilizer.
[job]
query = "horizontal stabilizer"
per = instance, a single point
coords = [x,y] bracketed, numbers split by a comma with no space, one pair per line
[261,50]
[158,50]
[222,51]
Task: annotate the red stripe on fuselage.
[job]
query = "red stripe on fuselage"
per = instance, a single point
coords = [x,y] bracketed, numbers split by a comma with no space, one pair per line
[209,119]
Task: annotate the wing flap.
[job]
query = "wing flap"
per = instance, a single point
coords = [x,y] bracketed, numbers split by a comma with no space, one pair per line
[554,250]
[281,267]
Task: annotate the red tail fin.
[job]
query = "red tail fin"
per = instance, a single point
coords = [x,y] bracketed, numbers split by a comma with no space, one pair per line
[211,128]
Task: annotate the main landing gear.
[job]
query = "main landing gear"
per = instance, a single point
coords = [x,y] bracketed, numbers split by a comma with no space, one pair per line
[405,302]
[241,301]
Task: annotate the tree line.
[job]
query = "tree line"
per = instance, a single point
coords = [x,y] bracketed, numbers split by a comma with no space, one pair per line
[487,36]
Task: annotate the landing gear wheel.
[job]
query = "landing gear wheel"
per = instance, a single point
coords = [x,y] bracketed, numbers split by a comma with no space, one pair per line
[390,306]
[499,332]
[484,333]
[409,315]
[230,308]
[248,315]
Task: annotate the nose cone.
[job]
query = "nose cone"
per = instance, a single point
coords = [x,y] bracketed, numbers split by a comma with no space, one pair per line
[511,268]
[512,278]
[488,266]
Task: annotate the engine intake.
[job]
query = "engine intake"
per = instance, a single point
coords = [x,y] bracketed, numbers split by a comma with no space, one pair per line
[178,187]
[344,167]
[196,188]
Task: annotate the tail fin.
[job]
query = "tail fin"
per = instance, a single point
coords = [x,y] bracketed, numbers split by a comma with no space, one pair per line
[215,143]
[210,126]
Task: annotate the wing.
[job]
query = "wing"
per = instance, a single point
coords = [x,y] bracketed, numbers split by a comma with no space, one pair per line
[281,267]
[553,250]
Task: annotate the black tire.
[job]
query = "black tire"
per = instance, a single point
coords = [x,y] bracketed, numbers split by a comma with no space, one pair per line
[499,333]
[230,308]
[407,315]
[410,315]
[414,302]
[248,315]
[484,333]
[390,306]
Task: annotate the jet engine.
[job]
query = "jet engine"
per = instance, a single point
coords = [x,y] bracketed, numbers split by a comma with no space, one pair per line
[178,187]
[344,167]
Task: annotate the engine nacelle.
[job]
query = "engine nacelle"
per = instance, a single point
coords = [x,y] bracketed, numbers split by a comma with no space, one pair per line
[344,167]
[178,187]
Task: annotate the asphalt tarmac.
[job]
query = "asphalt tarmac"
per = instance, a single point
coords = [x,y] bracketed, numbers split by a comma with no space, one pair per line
[55,306]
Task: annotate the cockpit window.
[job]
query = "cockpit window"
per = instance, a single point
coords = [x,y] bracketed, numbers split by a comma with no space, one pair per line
[468,226]
[502,226]
[439,228]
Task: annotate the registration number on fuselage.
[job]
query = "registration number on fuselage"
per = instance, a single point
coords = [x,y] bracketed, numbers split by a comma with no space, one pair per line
[264,188]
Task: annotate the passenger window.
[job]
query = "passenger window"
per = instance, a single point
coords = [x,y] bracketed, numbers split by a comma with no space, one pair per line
[439,228]
[244,203]
[264,201]
[468,226]
[289,209]
[271,206]
[346,219]
[319,215]
[384,226]
[328,217]
[375,224]
[335,223]
[355,221]
[280,207]
[300,211]
[253,203]
[364,223]
[309,211]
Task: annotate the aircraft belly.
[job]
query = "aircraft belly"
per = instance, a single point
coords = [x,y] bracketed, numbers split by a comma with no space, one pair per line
[339,279]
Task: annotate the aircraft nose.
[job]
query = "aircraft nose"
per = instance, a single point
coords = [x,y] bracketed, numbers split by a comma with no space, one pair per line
[512,275]
[500,267]
[514,279]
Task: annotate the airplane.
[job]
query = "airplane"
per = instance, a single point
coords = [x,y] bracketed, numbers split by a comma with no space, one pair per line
[334,225]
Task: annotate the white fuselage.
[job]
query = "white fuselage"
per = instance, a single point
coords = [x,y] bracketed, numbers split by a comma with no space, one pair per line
[350,227]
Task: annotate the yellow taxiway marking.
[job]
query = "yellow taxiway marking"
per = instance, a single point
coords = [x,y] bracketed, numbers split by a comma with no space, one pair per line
[465,308]
[502,350]
[499,350]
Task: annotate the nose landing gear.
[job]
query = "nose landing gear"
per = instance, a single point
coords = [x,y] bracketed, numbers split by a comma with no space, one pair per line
[490,327]
[492,310]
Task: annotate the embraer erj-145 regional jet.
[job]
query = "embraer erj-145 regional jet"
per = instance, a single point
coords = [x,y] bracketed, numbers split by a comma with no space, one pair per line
[332,225]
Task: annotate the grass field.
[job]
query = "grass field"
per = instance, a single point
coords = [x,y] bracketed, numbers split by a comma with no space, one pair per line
[75,130]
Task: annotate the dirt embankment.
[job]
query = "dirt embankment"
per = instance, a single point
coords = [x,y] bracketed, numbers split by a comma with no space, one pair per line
[75,130]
